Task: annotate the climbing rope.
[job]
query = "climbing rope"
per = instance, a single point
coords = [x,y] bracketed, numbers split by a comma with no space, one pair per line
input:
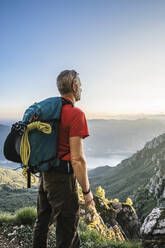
[25,145]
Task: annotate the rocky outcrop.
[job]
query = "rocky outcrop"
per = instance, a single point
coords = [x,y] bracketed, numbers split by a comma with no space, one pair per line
[156,186]
[154,225]
[120,214]
[156,142]
[92,216]
[129,222]
[112,218]
[94,222]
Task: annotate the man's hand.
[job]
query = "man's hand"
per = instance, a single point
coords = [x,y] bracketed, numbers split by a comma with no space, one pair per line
[89,199]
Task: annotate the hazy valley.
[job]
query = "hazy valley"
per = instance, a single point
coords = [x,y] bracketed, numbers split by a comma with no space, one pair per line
[110,141]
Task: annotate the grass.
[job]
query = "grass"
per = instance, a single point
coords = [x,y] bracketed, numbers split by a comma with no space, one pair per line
[18,228]
[22,236]
[24,216]
[93,239]
[6,218]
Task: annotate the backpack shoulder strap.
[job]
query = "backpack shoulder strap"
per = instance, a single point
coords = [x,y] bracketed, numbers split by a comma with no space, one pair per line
[66,101]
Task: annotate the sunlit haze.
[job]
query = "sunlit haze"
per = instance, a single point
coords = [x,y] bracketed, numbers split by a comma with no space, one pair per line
[116,46]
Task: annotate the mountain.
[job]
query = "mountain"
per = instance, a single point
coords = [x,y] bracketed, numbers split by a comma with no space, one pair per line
[120,136]
[110,136]
[13,190]
[142,177]
[101,171]
[13,178]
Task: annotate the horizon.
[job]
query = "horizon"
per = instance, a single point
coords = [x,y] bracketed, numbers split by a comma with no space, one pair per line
[128,117]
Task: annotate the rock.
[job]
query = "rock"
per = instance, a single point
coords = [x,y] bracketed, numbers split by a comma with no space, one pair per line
[154,225]
[156,186]
[94,222]
[129,222]
[121,215]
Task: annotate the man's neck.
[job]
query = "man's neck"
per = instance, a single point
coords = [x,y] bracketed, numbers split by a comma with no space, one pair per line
[69,97]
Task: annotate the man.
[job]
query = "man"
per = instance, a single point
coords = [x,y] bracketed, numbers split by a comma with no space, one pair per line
[58,196]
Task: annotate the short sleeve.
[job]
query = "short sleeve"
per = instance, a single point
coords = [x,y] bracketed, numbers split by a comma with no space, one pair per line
[78,125]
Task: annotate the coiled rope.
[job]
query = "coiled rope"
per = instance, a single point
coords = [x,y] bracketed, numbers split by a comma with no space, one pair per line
[25,145]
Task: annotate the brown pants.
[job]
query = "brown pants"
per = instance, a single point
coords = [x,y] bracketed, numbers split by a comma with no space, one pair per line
[57,202]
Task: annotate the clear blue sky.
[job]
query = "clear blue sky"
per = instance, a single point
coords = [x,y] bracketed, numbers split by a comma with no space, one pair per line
[117,46]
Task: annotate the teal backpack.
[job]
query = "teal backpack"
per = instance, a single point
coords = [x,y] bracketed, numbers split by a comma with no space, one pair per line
[43,146]
[34,141]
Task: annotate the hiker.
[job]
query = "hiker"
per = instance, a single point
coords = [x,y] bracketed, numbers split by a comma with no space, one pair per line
[58,195]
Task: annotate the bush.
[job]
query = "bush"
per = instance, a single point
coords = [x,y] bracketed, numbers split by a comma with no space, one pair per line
[93,239]
[26,216]
[6,218]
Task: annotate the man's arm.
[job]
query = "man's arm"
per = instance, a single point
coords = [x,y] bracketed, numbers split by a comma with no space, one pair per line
[80,167]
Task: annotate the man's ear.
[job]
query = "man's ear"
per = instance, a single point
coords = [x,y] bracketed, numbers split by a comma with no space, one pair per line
[74,87]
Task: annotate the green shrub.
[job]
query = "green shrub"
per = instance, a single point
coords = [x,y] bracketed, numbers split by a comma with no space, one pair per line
[6,218]
[26,216]
[93,239]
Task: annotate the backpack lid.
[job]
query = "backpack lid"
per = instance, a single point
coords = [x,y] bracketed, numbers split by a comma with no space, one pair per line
[48,109]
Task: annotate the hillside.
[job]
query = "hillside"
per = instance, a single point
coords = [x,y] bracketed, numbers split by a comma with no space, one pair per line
[13,178]
[141,176]
[13,191]
[101,171]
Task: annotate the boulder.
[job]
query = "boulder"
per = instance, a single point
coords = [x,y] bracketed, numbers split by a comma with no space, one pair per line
[123,215]
[154,225]
[129,222]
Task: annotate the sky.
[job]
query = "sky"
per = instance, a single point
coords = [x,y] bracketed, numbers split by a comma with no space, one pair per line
[117,46]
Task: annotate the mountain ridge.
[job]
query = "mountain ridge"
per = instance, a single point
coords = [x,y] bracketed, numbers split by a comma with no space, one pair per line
[141,177]
[111,136]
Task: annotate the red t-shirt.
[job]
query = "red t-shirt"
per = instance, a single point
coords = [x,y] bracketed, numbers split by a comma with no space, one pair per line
[73,123]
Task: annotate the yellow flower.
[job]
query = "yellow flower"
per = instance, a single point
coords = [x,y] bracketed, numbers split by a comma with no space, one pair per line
[129,201]
[100,192]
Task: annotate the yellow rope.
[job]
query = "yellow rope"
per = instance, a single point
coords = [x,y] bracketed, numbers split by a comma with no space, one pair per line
[24,173]
[25,145]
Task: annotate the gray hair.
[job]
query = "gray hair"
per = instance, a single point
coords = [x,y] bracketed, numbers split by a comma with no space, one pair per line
[65,81]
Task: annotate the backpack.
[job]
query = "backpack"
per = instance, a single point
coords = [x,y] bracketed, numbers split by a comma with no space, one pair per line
[34,141]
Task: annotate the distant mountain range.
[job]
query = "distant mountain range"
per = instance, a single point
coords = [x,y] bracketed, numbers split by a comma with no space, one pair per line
[111,136]
[120,136]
